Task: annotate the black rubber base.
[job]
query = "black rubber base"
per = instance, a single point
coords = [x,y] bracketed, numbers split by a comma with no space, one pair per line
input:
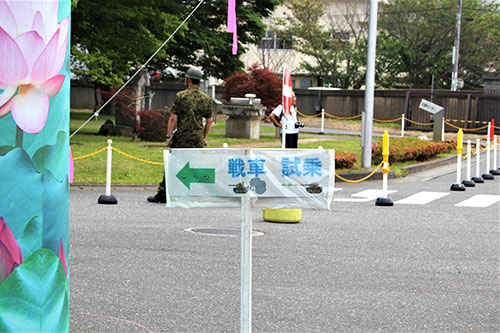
[457,187]
[487,176]
[469,183]
[478,180]
[495,172]
[384,202]
[107,200]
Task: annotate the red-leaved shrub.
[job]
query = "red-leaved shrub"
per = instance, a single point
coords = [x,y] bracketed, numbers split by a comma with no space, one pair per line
[259,81]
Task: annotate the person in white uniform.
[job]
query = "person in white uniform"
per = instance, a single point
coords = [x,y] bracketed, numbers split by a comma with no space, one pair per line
[288,124]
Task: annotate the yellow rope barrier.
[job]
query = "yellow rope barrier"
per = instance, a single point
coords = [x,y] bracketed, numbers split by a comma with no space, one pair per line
[465,129]
[89,155]
[362,179]
[485,148]
[387,121]
[417,123]
[136,158]
[304,115]
[466,155]
[342,118]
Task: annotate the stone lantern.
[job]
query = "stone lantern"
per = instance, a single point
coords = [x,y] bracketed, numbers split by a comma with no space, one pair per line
[244,117]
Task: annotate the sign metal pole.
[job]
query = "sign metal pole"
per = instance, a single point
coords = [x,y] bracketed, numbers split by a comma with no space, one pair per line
[246,265]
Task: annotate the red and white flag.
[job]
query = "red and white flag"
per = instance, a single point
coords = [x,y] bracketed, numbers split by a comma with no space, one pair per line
[287,90]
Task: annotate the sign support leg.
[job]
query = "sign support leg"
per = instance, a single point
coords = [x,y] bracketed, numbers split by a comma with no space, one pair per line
[246,265]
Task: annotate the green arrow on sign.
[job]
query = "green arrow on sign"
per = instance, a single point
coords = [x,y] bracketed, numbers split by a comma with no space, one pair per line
[188,176]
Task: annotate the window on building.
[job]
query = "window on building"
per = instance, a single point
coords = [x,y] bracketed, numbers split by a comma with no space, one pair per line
[272,41]
[304,84]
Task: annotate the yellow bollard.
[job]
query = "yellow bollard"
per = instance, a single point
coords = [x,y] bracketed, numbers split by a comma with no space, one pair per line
[458,186]
[384,200]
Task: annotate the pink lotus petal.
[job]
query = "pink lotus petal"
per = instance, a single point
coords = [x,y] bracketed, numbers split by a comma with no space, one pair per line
[38,25]
[5,109]
[48,9]
[49,62]
[23,14]
[7,20]
[53,85]
[63,38]
[71,167]
[62,256]
[31,44]
[14,68]
[7,93]
[11,255]
[30,110]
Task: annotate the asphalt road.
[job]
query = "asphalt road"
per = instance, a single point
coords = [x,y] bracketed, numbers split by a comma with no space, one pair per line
[356,268]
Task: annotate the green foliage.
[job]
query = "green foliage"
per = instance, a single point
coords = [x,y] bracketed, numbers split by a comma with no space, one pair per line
[112,38]
[408,149]
[259,81]
[337,43]
[416,37]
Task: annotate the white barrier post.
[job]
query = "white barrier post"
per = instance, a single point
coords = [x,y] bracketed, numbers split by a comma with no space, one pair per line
[442,130]
[322,122]
[496,148]
[487,175]
[495,170]
[107,198]
[458,186]
[403,125]
[468,182]
[478,178]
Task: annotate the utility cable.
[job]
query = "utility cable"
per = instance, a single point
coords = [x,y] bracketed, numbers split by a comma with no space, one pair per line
[140,69]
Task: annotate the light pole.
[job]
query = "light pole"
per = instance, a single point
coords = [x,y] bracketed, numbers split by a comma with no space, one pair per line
[367,114]
[454,74]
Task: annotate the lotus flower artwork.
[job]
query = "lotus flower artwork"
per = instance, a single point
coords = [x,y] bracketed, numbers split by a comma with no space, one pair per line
[10,253]
[33,50]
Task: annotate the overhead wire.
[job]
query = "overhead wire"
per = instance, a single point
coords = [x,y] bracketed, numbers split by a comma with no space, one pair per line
[95,114]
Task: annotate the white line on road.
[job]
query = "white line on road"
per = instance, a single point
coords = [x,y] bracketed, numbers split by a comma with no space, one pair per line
[422,198]
[364,196]
[480,200]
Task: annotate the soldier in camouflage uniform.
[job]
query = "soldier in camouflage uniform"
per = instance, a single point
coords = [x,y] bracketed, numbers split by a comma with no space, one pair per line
[189,109]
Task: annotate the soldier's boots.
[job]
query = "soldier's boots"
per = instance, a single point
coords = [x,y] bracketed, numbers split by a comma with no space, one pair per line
[158,198]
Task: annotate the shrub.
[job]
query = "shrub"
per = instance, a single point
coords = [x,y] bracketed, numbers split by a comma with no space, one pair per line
[408,149]
[345,159]
[259,81]
[153,126]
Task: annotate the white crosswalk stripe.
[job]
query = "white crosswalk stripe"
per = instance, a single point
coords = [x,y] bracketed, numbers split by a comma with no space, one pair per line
[419,198]
[422,198]
[480,200]
[364,196]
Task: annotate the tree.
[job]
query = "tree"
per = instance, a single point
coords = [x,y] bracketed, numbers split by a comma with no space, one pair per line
[333,35]
[416,38]
[110,39]
[259,81]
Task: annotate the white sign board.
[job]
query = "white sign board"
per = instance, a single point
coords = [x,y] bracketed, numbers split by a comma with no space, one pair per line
[272,178]
[430,107]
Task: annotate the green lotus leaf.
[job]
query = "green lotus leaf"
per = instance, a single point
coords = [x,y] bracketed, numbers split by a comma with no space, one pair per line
[31,239]
[54,158]
[35,298]
[21,190]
